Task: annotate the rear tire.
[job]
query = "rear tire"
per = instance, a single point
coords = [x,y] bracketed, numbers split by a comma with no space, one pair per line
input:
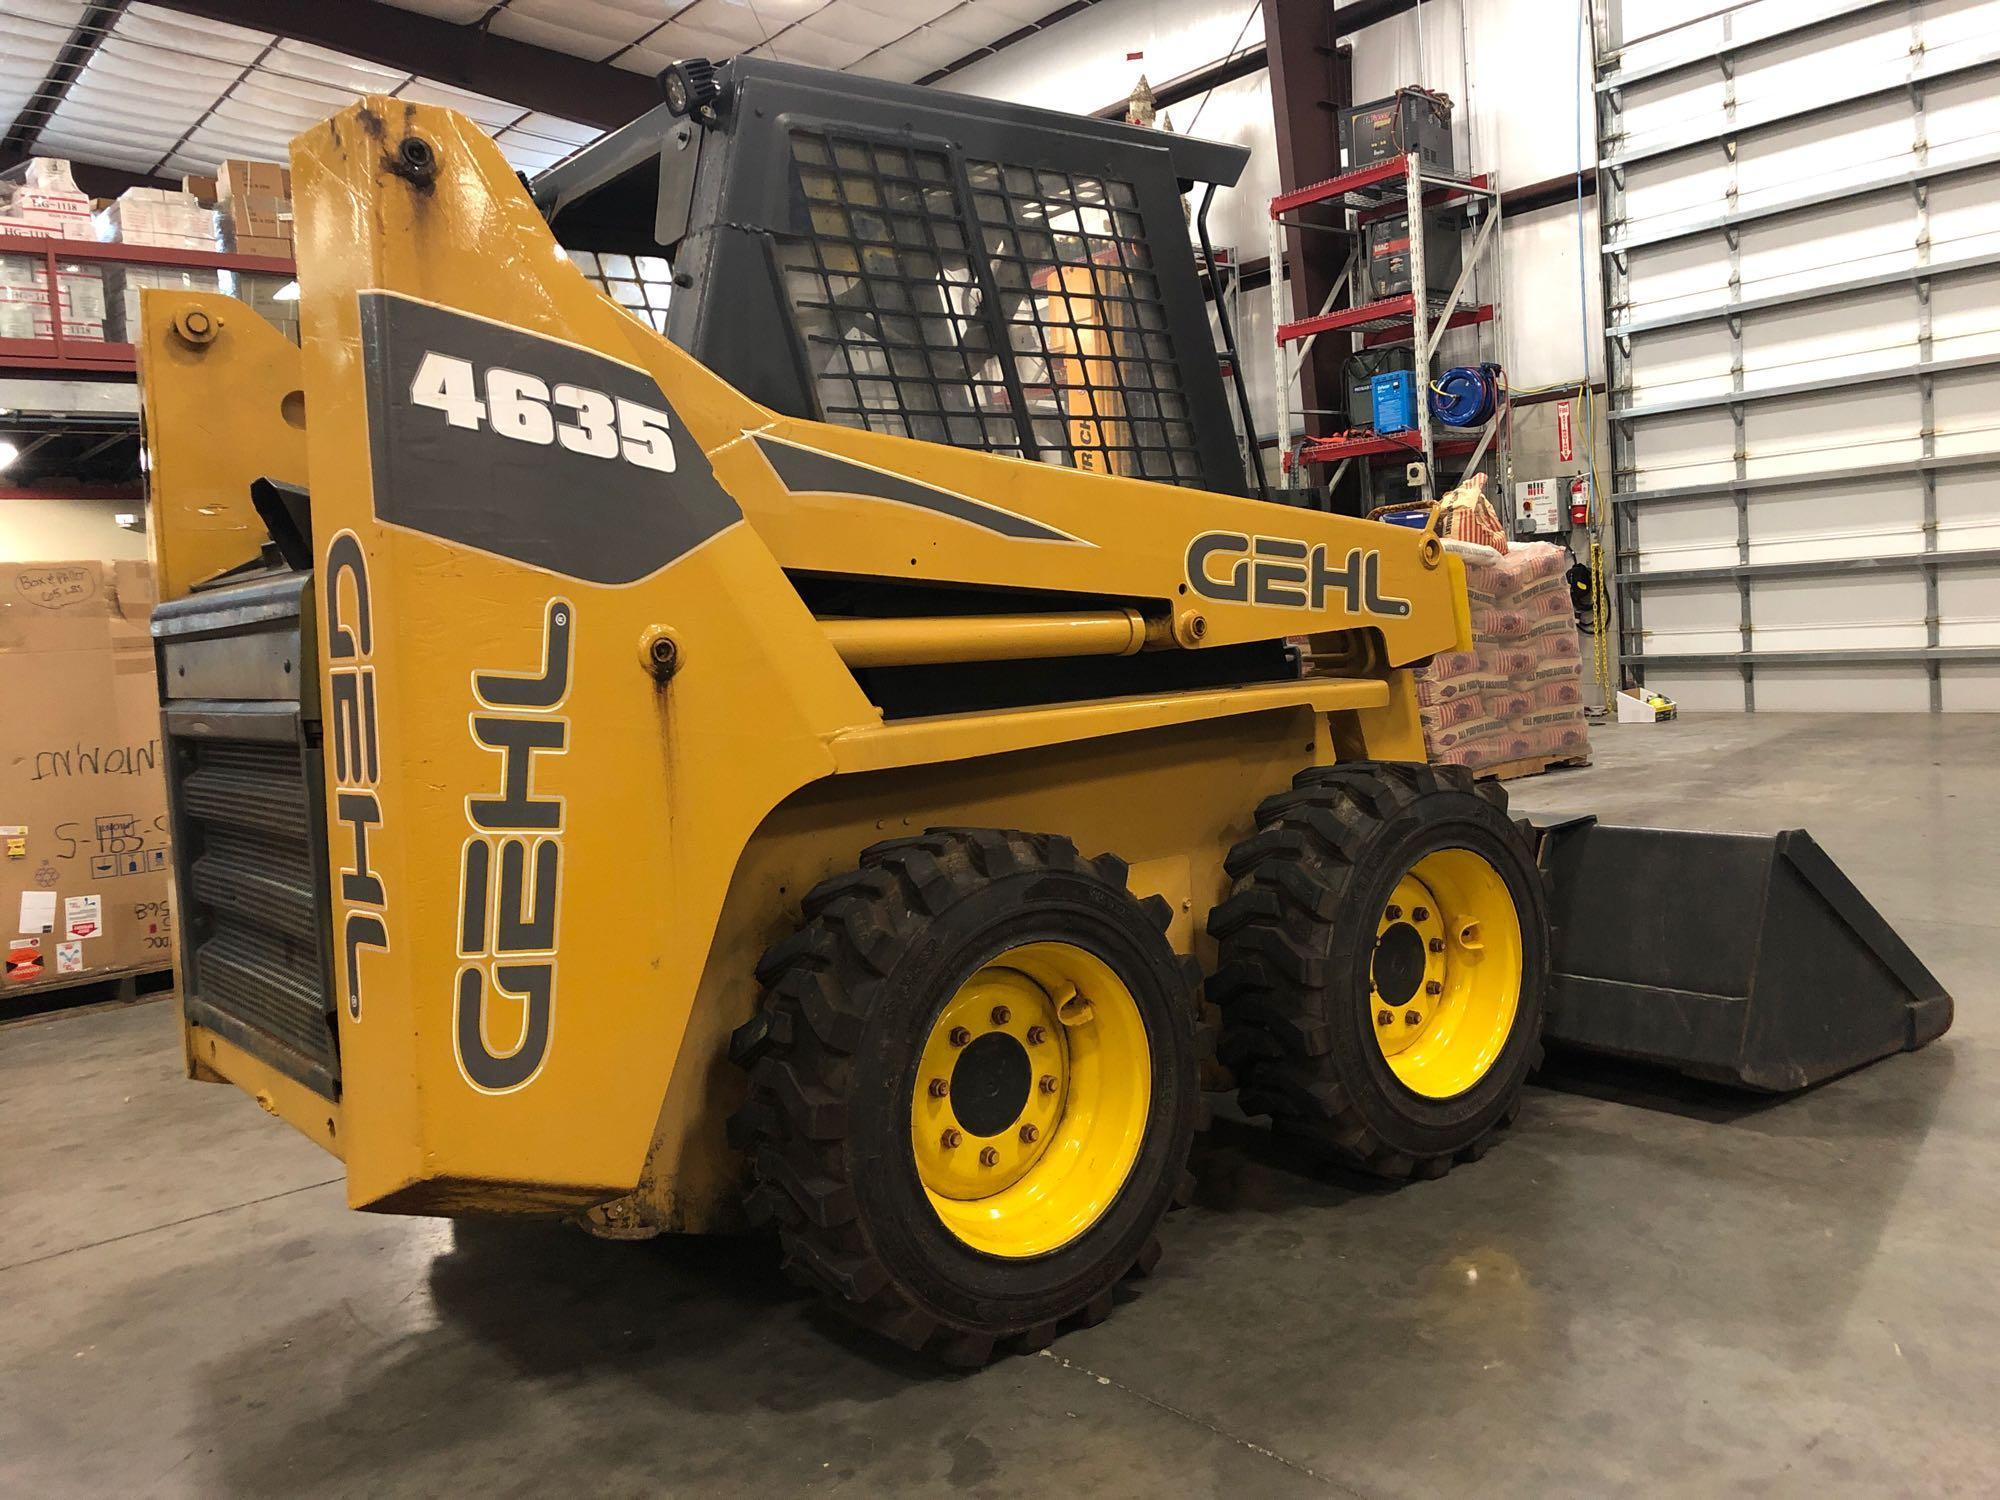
[933,993]
[1390,1036]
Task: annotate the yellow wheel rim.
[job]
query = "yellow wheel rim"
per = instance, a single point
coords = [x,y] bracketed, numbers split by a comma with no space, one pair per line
[1030,1100]
[1445,980]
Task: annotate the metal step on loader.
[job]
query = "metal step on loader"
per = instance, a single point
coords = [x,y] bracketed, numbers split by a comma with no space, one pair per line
[839,766]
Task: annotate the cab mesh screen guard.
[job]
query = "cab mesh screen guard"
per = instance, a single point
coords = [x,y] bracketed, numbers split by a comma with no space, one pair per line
[929,265]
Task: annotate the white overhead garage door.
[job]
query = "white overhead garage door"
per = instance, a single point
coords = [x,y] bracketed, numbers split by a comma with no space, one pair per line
[1802,268]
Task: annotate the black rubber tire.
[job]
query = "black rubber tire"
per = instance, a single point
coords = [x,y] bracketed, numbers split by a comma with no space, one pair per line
[1297,936]
[832,1056]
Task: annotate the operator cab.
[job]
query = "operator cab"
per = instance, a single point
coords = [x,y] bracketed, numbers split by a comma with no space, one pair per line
[925,264]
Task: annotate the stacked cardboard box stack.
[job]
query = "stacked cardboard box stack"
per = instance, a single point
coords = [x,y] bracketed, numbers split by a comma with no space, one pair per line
[45,204]
[254,209]
[26,311]
[122,285]
[274,296]
[83,842]
[159,217]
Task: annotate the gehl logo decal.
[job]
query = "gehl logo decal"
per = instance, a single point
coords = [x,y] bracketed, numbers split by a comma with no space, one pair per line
[1240,569]
[510,885]
[357,756]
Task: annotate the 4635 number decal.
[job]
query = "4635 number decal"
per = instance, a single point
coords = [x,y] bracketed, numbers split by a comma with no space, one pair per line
[529,409]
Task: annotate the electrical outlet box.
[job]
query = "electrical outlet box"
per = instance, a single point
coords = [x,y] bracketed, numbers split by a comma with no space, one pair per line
[1541,507]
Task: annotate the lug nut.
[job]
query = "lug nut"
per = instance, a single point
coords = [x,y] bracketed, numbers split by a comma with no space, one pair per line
[1002,1015]
[1037,1035]
[1048,1084]
[939,1088]
[950,1139]
[1420,914]
[988,1157]
[1432,987]
[1393,912]
[1410,1018]
[960,1036]
[1028,1134]
[1385,1018]
[1437,945]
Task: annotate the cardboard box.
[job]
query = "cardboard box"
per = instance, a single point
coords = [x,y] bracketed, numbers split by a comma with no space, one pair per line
[203,189]
[122,285]
[278,249]
[64,213]
[48,201]
[34,229]
[74,329]
[84,871]
[258,218]
[1638,706]
[50,174]
[157,217]
[24,299]
[252,179]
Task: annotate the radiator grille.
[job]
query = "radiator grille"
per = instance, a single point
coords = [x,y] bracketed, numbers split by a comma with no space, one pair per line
[252,885]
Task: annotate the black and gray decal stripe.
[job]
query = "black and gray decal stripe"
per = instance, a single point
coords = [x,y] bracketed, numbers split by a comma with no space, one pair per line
[808,470]
[599,519]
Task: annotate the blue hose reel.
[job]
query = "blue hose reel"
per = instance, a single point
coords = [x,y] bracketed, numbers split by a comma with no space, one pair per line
[1466,395]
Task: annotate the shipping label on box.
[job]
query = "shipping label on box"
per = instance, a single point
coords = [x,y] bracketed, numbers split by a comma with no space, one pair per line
[38,201]
[25,228]
[81,774]
[72,328]
[83,916]
[24,960]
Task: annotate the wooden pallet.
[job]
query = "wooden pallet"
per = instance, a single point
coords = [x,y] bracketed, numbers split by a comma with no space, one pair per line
[94,987]
[1530,765]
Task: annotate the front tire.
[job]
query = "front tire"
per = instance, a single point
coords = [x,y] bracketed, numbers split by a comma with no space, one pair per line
[1383,959]
[973,1089]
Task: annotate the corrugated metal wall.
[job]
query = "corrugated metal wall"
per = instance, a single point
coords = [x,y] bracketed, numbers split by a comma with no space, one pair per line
[1802,262]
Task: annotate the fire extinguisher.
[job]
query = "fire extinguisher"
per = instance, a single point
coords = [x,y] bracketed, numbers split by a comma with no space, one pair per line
[1579,500]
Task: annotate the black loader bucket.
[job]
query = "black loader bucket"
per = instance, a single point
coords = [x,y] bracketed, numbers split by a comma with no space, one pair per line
[1738,958]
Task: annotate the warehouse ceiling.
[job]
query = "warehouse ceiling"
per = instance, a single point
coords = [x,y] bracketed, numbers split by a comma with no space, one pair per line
[905,40]
[160,89]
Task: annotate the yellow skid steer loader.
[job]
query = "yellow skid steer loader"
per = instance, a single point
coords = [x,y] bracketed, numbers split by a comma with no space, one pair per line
[598,792]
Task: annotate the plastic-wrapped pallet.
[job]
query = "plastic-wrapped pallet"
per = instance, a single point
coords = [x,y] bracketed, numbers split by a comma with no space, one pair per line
[1518,694]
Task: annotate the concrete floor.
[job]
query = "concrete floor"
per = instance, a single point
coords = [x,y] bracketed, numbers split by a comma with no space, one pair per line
[1646,1287]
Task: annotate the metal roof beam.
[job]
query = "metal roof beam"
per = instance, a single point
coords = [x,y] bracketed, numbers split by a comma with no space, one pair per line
[466,57]
[91,28]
